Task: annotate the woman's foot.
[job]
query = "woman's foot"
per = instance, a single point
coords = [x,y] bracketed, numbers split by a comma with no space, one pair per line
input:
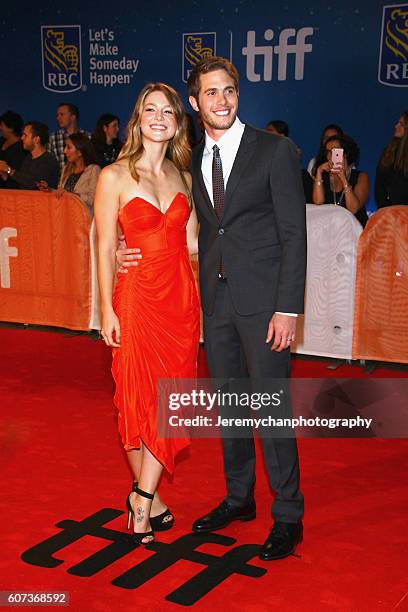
[161,518]
[139,507]
[160,511]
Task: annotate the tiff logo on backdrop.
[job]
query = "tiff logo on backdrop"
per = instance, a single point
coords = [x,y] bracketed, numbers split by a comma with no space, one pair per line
[202,45]
[282,49]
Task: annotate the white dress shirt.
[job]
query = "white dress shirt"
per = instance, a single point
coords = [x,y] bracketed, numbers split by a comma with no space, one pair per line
[228,145]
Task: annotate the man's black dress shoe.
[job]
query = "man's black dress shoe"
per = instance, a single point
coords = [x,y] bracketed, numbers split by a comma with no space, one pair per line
[222,516]
[282,541]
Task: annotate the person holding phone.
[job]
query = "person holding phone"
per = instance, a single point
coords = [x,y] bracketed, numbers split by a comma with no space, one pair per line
[337,182]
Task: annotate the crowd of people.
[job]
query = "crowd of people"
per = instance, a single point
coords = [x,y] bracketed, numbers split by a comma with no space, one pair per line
[70,159]
[345,185]
[67,160]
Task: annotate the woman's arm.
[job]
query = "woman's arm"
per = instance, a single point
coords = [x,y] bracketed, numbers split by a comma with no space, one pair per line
[106,217]
[192,225]
[318,187]
[86,186]
[355,198]
[192,232]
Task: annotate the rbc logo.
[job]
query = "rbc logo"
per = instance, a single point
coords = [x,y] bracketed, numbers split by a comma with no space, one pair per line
[61,58]
[393,63]
[282,49]
[197,47]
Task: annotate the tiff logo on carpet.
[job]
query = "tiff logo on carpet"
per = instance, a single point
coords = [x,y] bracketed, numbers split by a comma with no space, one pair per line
[216,570]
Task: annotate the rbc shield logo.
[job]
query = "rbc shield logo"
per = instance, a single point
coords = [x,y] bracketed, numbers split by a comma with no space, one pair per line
[61,58]
[197,47]
[393,64]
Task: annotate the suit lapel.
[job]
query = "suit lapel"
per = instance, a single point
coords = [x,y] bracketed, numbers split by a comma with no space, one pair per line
[242,159]
[199,180]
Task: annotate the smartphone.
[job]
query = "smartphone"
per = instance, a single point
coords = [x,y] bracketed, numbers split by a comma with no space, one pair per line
[337,158]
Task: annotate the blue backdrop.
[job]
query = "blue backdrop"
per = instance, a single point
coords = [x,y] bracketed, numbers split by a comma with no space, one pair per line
[310,65]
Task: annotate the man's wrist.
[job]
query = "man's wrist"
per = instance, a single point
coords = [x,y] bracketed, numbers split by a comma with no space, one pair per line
[287,314]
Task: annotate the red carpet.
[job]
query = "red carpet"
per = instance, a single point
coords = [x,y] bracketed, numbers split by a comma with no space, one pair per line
[61,461]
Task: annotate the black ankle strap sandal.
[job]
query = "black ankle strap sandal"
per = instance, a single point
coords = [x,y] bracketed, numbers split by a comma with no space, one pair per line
[161,522]
[139,537]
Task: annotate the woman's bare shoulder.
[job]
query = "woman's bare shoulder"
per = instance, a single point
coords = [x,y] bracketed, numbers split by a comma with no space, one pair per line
[117,170]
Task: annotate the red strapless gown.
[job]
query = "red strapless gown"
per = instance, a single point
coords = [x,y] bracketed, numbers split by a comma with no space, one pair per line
[158,309]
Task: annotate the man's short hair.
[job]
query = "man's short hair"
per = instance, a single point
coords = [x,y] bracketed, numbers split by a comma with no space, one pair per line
[280,126]
[13,121]
[210,65]
[39,129]
[73,109]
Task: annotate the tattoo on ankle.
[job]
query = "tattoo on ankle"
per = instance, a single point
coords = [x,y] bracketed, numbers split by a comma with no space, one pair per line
[140,514]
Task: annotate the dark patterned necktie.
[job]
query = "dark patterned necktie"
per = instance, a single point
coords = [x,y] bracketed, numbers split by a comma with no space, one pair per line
[218,182]
[218,192]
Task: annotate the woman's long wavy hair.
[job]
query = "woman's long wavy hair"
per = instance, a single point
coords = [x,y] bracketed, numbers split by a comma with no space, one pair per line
[178,150]
[396,152]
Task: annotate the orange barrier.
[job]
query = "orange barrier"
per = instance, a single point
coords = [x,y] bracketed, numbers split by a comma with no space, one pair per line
[45,275]
[48,275]
[381,300]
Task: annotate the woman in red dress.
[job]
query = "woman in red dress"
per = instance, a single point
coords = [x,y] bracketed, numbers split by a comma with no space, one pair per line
[151,317]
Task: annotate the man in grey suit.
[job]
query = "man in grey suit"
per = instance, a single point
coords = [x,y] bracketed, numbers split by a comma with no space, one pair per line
[252,247]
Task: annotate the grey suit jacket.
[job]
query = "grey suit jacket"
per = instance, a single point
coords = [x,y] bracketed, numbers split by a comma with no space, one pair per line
[262,234]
